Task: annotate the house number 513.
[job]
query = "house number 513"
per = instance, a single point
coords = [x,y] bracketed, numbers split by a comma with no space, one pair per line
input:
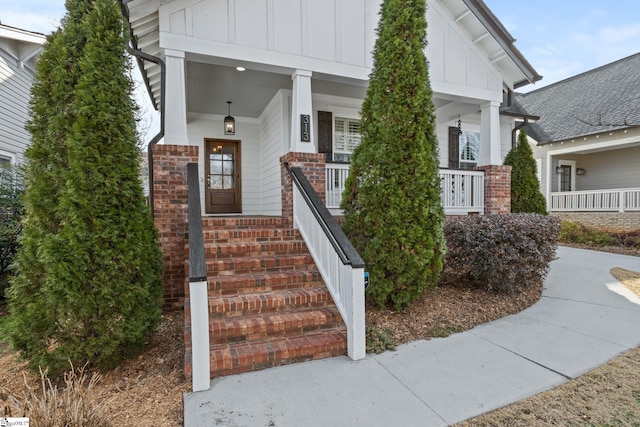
[305,128]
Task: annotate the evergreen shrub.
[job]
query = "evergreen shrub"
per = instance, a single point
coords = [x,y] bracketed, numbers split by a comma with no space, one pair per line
[88,283]
[525,186]
[504,253]
[393,214]
[11,211]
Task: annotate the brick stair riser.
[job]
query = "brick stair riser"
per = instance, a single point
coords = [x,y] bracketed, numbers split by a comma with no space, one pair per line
[257,249]
[255,265]
[254,283]
[233,236]
[252,304]
[276,325]
[245,223]
[235,359]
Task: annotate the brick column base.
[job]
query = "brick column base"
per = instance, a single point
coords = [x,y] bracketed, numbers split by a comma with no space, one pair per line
[170,207]
[497,189]
[313,166]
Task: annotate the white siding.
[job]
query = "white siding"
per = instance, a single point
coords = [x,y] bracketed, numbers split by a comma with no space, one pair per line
[15,92]
[273,124]
[201,126]
[334,31]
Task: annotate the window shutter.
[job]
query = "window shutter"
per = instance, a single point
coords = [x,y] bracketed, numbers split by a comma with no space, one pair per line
[325,143]
[454,148]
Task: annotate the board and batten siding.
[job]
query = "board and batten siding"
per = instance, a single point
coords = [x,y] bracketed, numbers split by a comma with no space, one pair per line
[273,144]
[15,92]
[203,126]
[330,36]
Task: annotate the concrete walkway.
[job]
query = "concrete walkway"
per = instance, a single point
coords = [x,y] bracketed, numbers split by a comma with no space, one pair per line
[584,318]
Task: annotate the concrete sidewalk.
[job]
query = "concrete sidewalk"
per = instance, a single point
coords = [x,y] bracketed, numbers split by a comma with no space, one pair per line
[584,318]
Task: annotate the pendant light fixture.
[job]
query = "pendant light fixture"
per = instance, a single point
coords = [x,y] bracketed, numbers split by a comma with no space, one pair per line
[229,122]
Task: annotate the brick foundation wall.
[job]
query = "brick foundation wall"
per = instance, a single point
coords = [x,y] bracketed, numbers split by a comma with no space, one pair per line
[606,221]
[170,207]
[313,166]
[497,189]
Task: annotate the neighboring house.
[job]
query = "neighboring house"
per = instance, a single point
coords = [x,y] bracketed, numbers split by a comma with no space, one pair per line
[19,51]
[291,76]
[588,144]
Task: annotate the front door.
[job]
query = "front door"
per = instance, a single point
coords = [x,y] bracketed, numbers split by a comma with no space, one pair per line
[222,172]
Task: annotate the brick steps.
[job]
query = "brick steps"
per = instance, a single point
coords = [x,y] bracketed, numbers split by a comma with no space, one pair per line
[245,357]
[254,249]
[256,265]
[275,325]
[251,283]
[268,304]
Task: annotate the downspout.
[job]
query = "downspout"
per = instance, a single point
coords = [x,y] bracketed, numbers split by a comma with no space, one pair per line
[140,57]
[516,129]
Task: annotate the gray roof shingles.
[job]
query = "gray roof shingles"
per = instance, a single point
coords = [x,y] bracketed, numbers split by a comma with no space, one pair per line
[601,100]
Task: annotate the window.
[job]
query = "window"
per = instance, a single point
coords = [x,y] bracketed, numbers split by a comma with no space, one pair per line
[469,148]
[346,138]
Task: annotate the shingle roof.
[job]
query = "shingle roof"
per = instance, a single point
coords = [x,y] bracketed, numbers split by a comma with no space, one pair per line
[601,100]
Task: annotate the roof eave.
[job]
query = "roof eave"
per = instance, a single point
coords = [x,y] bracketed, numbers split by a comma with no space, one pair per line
[504,39]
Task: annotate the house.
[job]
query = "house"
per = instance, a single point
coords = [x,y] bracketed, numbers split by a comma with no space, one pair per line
[19,51]
[261,99]
[587,144]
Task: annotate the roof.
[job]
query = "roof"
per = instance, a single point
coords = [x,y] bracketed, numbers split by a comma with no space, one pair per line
[601,100]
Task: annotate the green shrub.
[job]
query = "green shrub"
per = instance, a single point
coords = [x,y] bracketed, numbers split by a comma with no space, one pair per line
[525,187]
[11,211]
[575,232]
[505,253]
[88,272]
[393,214]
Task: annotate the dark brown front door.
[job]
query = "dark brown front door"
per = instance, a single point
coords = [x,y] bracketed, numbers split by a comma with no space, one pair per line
[222,171]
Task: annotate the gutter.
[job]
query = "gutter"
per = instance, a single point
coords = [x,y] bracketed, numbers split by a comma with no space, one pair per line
[140,57]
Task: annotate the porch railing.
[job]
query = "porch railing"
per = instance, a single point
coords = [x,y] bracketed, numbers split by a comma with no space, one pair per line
[619,199]
[339,264]
[462,191]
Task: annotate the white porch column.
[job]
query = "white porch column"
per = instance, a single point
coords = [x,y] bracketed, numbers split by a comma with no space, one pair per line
[302,139]
[490,134]
[175,100]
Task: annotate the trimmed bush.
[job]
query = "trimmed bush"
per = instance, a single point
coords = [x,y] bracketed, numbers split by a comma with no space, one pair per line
[88,281]
[393,214]
[525,187]
[504,253]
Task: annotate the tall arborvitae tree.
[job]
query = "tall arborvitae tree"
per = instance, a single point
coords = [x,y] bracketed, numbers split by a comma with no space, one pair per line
[393,212]
[525,187]
[88,286]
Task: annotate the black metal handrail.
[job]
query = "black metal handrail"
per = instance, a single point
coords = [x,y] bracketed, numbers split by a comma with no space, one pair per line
[343,247]
[197,264]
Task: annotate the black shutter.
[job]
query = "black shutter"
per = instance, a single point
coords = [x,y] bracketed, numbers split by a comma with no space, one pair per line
[325,140]
[454,148]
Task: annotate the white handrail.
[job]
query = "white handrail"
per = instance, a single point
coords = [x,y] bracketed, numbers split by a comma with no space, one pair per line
[462,191]
[344,278]
[617,199]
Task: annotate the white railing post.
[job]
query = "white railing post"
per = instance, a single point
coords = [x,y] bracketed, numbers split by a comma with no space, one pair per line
[622,200]
[199,306]
[356,337]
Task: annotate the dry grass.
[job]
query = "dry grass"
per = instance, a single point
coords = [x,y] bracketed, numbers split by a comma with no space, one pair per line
[146,391]
[71,405]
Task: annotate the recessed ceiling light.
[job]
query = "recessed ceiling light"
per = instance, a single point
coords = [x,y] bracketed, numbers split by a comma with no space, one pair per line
[240,68]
